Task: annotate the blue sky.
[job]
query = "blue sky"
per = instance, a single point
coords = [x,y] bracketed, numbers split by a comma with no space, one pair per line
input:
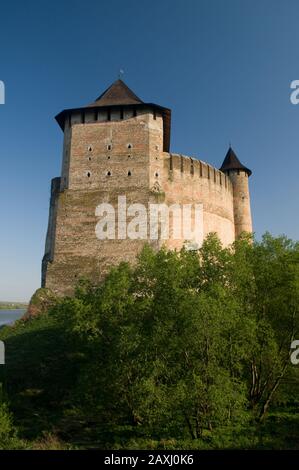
[224,67]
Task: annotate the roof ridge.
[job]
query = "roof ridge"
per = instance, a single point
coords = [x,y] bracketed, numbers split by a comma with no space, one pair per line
[117,94]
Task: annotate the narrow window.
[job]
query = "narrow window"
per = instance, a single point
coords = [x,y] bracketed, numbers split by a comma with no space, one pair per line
[129,173]
[88,174]
[156,175]
[121,113]
[155,114]
[109,115]
[134,112]
[109,147]
[129,146]
[108,173]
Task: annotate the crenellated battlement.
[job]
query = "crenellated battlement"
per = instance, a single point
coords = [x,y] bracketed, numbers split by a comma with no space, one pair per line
[116,148]
[183,166]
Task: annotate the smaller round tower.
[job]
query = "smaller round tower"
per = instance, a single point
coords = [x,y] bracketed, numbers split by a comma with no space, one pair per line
[239,174]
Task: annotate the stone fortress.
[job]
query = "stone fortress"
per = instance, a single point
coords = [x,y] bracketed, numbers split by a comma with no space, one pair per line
[118,145]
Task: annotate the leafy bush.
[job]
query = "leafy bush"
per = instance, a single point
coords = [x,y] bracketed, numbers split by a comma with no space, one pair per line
[182,350]
[8,435]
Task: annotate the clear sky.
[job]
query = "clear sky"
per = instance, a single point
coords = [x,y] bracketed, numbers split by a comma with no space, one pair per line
[224,67]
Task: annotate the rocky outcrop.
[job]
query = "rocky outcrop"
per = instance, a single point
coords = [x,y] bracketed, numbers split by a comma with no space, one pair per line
[41,301]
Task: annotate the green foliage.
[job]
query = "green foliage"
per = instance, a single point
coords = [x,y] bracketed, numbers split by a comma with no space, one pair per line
[6,428]
[187,342]
[41,301]
[183,350]
[8,435]
[266,281]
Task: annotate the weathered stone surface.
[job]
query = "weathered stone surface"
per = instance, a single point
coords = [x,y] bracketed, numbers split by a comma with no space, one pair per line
[105,159]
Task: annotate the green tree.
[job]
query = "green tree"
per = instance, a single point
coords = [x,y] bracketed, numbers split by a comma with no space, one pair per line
[186,342]
[167,341]
[265,279]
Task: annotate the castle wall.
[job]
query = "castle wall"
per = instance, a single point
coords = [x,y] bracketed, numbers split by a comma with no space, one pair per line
[113,154]
[66,155]
[185,180]
[78,252]
[106,160]
[124,156]
[242,211]
[51,231]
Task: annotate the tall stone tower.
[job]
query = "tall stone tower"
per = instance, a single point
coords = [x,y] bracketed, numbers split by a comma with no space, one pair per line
[111,148]
[238,175]
[117,149]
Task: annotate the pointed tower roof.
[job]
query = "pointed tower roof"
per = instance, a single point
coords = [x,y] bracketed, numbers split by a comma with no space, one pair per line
[120,95]
[231,162]
[117,94]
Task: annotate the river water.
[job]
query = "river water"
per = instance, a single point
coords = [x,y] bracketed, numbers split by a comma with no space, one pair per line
[9,316]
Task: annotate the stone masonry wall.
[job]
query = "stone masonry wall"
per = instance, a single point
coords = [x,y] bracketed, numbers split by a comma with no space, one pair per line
[103,160]
[242,210]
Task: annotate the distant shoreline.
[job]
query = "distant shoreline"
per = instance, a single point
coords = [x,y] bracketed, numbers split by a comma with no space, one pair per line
[13,306]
